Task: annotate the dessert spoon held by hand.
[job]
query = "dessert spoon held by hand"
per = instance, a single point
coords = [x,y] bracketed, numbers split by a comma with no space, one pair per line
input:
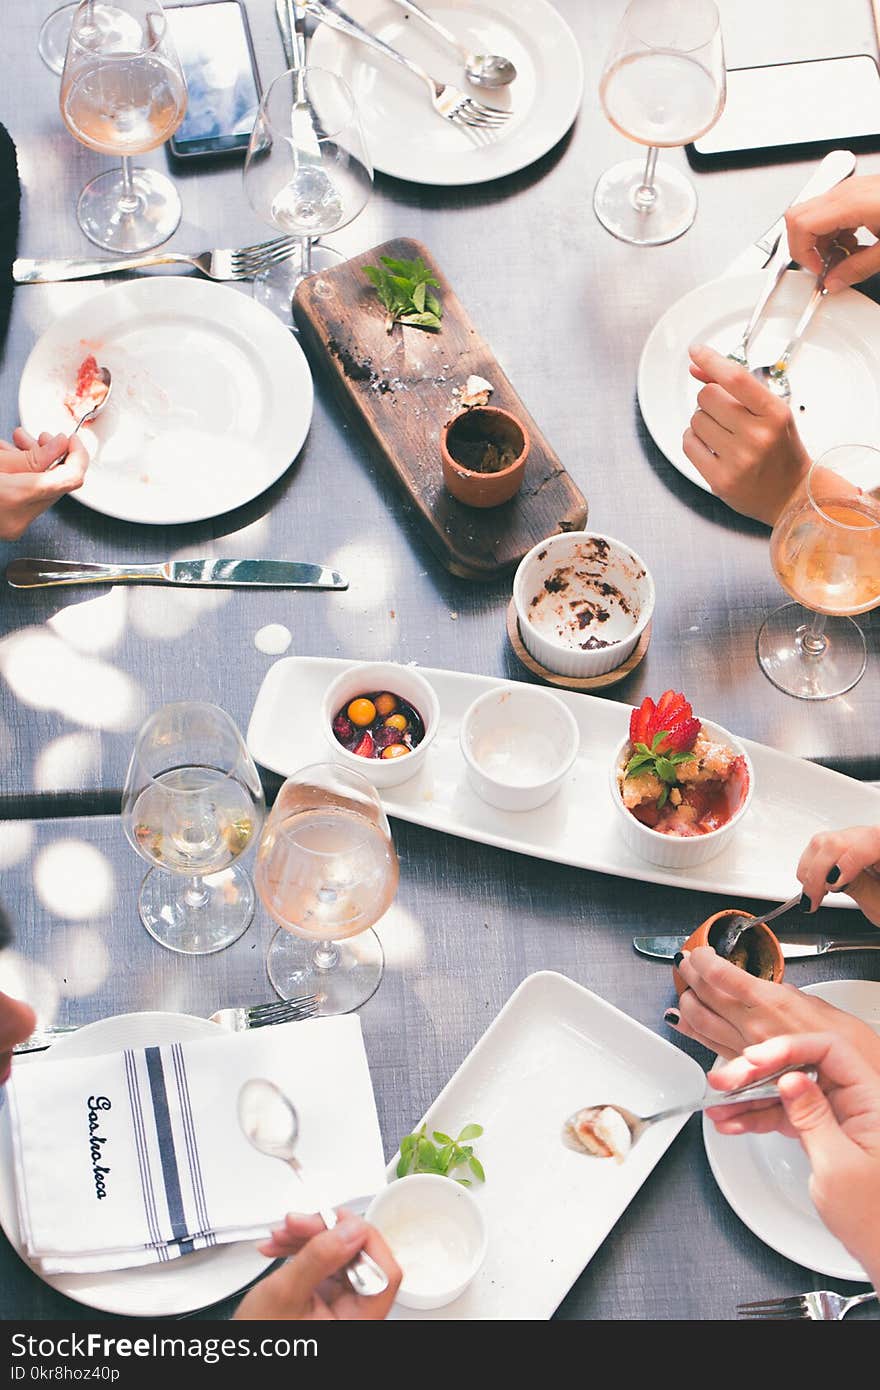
[91,414]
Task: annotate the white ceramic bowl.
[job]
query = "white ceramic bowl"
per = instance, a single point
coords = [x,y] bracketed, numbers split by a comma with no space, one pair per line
[425,1219]
[558,592]
[518,745]
[674,851]
[404,681]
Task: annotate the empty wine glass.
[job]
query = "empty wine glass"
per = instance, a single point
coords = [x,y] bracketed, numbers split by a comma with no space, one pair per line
[123,93]
[825,550]
[307,172]
[55,30]
[326,872]
[663,85]
[192,805]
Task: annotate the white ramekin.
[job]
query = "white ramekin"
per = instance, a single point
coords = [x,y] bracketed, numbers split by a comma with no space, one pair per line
[541,613]
[404,681]
[672,851]
[524,707]
[429,1196]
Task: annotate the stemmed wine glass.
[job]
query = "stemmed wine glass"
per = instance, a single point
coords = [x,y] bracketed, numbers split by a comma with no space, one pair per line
[326,872]
[307,172]
[663,85]
[825,550]
[123,93]
[192,805]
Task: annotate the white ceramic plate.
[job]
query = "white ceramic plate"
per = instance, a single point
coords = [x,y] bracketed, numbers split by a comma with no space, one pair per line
[406,137]
[553,1048]
[153,1291]
[834,375]
[211,397]
[793,798]
[765,1176]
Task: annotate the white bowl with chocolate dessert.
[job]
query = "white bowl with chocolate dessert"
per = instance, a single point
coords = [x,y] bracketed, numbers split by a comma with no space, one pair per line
[583,601]
[380,719]
[681,785]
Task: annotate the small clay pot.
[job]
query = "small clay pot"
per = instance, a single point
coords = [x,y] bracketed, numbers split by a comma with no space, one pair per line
[487,424]
[757,951]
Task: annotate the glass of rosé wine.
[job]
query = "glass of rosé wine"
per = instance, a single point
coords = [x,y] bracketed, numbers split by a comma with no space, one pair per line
[825,551]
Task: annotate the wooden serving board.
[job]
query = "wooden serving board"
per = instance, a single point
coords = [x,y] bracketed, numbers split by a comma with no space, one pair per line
[400,385]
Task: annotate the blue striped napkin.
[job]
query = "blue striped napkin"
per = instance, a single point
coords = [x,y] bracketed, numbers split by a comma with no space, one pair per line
[137,1158]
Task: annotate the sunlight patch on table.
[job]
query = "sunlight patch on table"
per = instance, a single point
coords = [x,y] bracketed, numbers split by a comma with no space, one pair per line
[164,614]
[95,624]
[44,672]
[24,979]
[74,880]
[402,938]
[16,838]
[67,761]
[372,574]
[80,960]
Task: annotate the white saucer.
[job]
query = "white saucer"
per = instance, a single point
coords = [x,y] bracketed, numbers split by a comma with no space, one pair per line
[765,1176]
[406,137]
[835,375]
[211,398]
[152,1291]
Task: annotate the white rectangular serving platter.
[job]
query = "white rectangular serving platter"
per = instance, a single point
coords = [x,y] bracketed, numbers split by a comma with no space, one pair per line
[553,1048]
[792,800]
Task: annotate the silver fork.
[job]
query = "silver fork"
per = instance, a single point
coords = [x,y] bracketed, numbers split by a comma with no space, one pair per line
[233,1020]
[222,264]
[449,102]
[823,1306]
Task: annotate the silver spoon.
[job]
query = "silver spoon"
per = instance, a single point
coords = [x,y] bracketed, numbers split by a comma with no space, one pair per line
[90,415]
[270,1122]
[775,376]
[731,934]
[637,1124]
[483,69]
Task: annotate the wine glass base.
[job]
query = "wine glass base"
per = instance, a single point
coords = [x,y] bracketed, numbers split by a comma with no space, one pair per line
[198,928]
[669,216]
[339,988]
[52,43]
[153,220]
[792,669]
[275,287]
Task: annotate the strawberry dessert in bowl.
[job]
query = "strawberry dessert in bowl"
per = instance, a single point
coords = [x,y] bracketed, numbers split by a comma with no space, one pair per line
[681,784]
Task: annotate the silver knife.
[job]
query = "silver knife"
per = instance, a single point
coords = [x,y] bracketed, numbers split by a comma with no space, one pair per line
[793,947]
[227,574]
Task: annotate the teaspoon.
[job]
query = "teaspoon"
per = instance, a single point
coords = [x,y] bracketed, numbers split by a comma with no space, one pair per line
[737,925]
[269,1120]
[620,1129]
[90,415]
[483,69]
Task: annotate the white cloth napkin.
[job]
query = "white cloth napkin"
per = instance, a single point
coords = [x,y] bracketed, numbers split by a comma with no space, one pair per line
[136,1157]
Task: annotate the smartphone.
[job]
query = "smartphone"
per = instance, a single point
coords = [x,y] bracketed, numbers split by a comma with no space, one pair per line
[790,104]
[213,41]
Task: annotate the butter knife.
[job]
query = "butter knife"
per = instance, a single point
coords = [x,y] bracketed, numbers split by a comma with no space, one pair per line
[226,574]
[793,947]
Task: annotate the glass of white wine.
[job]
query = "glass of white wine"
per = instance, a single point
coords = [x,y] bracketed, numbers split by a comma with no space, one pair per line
[192,805]
[663,84]
[326,872]
[825,551]
[123,93]
[307,173]
[55,30]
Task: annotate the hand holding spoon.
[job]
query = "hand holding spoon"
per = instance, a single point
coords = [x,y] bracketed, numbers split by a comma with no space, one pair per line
[270,1122]
[734,929]
[91,414]
[606,1131]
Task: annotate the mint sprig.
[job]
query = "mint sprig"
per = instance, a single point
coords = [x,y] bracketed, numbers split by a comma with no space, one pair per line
[403,288]
[441,1154]
[663,765]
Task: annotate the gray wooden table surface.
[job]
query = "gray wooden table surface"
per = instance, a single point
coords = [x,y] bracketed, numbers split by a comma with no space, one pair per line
[567,310]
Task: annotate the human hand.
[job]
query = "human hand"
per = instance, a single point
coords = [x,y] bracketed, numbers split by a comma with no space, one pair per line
[847,861]
[743,439]
[813,226]
[311,1287]
[27,488]
[837,1121]
[727,1009]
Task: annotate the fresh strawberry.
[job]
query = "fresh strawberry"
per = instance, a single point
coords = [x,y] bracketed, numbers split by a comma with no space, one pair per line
[681,737]
[671,707]
[640,720]
[364,749]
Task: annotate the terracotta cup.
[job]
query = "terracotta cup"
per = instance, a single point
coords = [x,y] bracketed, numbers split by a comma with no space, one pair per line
[494,426]
[768,952]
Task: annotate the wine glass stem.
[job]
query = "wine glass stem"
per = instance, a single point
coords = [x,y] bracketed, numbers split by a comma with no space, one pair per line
[306,261]
[325,955]
[813,639]
[128,203]
[195,894]
[645,196]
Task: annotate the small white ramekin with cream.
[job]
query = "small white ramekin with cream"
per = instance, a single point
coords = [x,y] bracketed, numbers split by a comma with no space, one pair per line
[437,1234]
